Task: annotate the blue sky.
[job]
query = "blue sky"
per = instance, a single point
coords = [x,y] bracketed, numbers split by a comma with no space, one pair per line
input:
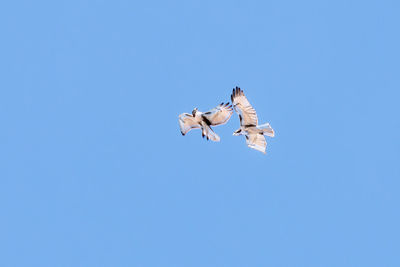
[94,170]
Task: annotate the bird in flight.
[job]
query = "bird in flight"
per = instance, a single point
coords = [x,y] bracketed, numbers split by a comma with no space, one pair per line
[249,127]
[217,116]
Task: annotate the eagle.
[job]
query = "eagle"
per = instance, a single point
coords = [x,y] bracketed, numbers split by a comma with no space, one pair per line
[249,127]
[216,116]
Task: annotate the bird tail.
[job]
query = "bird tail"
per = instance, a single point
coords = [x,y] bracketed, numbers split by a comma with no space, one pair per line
[209,133]
[267,129]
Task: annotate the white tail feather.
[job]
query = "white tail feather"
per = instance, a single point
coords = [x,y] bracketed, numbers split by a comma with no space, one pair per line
[267,129]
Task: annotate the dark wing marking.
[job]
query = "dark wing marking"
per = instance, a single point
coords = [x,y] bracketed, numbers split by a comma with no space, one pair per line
[218,115]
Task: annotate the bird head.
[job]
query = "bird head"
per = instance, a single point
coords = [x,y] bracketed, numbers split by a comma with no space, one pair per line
[194,112]
[237,132]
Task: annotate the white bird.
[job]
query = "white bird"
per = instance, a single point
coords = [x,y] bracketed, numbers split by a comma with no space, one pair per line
[217,116]
[249,127]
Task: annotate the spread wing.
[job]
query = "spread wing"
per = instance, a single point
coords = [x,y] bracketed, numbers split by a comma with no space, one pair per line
[219,115]
[187,123]
[209,133]
[257,142]
[247,114]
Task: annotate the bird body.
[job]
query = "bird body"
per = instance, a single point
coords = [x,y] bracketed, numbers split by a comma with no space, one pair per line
[217,116]
[249,127]
[264,129]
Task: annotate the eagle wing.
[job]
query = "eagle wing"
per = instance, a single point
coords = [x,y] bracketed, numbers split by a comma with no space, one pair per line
[187,123]
[247,114]
[209,133]
[219,115]
[257,142]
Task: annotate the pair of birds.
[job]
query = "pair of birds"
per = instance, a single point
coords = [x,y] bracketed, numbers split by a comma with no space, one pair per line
[249,127]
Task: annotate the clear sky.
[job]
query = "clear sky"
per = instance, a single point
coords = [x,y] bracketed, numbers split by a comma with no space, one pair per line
[94,170]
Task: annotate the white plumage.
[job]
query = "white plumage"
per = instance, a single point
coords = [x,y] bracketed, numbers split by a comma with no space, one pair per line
[216,116]
[249,127]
